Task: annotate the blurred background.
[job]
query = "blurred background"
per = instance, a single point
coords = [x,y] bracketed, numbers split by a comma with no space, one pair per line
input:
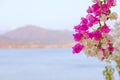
[23,22]
[36,40]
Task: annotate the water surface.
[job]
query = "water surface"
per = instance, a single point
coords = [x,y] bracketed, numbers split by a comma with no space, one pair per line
[48,64]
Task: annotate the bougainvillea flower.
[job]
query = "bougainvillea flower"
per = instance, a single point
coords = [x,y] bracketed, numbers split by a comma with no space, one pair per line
[93,32]
[92,19]
[105,9]
[110,3]
[83,29]
[84,21]
[96,7]
[77,28]
[77,36]
[89,35]
[77,48]
[89,10]
[105,29]
[97,35]
[111,48]
[97,13]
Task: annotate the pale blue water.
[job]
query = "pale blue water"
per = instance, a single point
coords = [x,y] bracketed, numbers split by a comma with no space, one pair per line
[48,64]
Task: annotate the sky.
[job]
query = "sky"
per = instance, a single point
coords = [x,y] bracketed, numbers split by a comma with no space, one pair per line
[50,14]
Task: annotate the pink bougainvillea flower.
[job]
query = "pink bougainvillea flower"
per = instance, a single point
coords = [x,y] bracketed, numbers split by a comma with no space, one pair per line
[97,13]
[97,35]
[90,24]
[89,35]
[92,19]
[110,3]
[105,9]
[89,10]
[96,7]
[84,21]
[111,48]
[77,28]
[105,29]
[83,29]
[77,48]
[77,36]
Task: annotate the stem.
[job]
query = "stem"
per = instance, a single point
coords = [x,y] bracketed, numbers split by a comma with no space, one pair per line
[118,66]
[108,73]
[100,13]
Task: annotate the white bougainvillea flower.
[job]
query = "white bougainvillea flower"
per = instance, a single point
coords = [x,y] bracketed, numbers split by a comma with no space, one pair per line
[116,38]
[103,18]
[113,16]
[91,51]
[100,55]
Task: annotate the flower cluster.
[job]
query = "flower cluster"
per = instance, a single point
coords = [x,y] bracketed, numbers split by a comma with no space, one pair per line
[92,31]
[115,33]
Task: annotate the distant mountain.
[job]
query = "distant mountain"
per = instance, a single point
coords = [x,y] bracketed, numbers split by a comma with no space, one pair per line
[38,35]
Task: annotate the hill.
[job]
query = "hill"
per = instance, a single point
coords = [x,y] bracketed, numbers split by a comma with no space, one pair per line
[37,36]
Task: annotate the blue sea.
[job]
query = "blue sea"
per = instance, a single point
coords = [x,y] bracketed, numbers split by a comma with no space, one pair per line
[48,64]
